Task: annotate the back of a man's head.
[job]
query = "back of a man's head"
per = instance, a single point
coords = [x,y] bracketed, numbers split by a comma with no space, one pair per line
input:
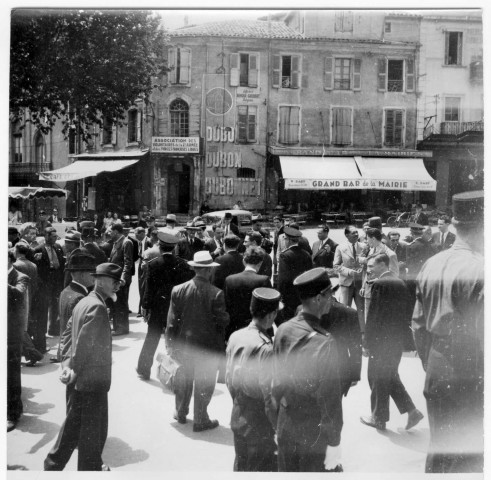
[253,255]
[231,242]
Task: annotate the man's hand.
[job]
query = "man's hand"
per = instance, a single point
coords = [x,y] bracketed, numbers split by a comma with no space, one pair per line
[38,256]
[67,376]
[333,457]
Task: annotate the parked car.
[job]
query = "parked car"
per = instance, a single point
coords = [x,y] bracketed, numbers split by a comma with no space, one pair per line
[242,218]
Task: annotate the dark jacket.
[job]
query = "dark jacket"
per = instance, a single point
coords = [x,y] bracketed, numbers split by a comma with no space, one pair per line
[17,285]
[230,263]
[69,297]
[449,241]
[267,266]
[416,255]
[186,248]
[323,257]
[49,279]
[122,255]
[96,252]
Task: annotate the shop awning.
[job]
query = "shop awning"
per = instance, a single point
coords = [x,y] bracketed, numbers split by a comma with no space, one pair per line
[36,192]
[320,173]
[395,174]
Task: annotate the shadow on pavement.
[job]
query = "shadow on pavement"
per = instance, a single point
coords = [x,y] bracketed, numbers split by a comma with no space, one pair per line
[40,368]
[16,467]
[416,440]
[220,435]
[118,453]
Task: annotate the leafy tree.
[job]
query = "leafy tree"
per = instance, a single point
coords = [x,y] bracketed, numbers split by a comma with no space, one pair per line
[73,65]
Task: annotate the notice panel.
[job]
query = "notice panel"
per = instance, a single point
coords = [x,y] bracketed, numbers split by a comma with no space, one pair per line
[175,144]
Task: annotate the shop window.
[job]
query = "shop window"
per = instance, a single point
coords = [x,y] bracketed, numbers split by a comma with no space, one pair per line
[17,148]
[134,126]
[289,125]
[343,21]
[453,48]
[246,121]
[180,66]
[246,173]
[179,118]
[452,109]
[396,75]
[394,128]
[286,71]
[39,148]
[342,126]
[244,70]
[342,73]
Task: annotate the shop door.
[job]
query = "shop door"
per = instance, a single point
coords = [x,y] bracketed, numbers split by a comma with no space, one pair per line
[178,191]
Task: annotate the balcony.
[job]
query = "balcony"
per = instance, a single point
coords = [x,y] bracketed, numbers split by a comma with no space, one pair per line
[453,128]
[26,173]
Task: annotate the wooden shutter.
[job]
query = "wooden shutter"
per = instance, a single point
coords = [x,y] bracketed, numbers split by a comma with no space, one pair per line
[139,124]
[341,126]
[294,125]
[185,66]
[242,123]
[114,134]
[459,51]
[283,124]
[328,74]
[234,69]
[296,71]
[172,74]
[276,77]
[382,74]
[357,74]
[305,74]
[253,70]
[389,127]
[251,123]
[447,35]
[410,75]
[398,127]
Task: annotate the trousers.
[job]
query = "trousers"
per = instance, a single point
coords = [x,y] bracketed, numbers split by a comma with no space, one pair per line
[156,327]
[14,387]
[120,309]
[346,296]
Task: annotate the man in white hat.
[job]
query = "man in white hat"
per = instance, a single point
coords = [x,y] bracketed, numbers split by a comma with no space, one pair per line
[194,337]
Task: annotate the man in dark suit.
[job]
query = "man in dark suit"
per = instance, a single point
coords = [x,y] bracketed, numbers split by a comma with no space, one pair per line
[399,248]
[42,223]
[229,263]
[88,368]
[17,285]
[386,328]
[54,218]
[121,255]
[443,239]
[51,265]
[72,245]
[293,262]
[163,273]
[419,216]
[141,246]
[255,239]
[215,244]
[279,224]
[239,287]
[323,250]
[229,226]
[190,243]
[87,230]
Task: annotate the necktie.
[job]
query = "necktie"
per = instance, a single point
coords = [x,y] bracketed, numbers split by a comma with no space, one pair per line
[53,258]
[354,252]
[140,248]
[442,239]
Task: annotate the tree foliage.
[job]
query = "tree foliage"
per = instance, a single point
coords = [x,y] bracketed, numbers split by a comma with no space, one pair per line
[74,65]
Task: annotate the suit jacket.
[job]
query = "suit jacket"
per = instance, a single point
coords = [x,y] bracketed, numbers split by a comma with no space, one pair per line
[96,252]
[389,315]
[230,263]
[267,266]
[186,249]
[416,255]
[17,285]
[232,227]
[212,245]
[90,351]
[323,257]
[449,241]
[422,219]
[122,255]
[69,297]
[197,316]
[345,264]
[303,243]
[238,293]
[50,279]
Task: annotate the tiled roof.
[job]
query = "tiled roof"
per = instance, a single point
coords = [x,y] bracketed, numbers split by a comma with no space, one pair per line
[238,28]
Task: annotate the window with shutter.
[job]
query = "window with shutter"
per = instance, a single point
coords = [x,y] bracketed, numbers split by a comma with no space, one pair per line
[132,125]
[342,125]
[107,129]
[295,71]
[276,77]
[342,74]
[453,48]
[395,75]
[171,63]
[253,77]
[394,128]
[287,71]
[184,58]
[289,125]
[18,148]
[246,123]
[410,75]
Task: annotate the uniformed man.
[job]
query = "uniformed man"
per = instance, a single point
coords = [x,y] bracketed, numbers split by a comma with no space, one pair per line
[448,324]
[292,262]
[164,272]
[306,383]
[248,378]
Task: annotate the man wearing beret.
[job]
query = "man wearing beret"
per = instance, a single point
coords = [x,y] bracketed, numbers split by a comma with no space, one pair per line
[89,370]
[306,383]
[13,235]
[292,262]
[164,272]
[448,325]
[248,377]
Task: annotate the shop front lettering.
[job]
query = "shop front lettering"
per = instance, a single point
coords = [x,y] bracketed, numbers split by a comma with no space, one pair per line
[388,184]
[326,183]
[245,187]
[223,159]
[220,134]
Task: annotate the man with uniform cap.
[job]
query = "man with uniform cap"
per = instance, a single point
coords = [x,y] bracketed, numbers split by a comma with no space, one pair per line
[248,377]
[89,370]
[194,337]
[306,383]
[448,325]
[292,262]
[303,242]
[163,273]
[87,230]
[323,250]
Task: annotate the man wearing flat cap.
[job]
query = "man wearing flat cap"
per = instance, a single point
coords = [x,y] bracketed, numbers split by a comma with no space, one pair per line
[194,337]
[292,262]
[248,377]
[89,370]
[163,274]
[448,325]
[306,382]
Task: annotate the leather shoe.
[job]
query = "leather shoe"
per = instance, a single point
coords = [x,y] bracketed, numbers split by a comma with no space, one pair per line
[371,422]
[11,424]
[31,363]
[34,356]
[143,376]
[54,360]
[413,418]
[180,418]
[105,468]
[116,333]
[209,425]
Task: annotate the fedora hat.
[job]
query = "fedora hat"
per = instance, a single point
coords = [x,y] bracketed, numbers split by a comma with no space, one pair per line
[81,261]
[171,218]
[203,259]
[73,236]
[108,270]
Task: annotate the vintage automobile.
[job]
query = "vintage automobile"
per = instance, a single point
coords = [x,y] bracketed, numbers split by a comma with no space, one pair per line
[242,218]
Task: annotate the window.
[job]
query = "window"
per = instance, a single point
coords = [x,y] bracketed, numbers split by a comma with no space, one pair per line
[244,69]
[387,27]
[452,109]
[179,118]
[394,128]
[286,71]
[39,149]
[108,131]
[134,126]
[342,126]
[180,65]
[396,75]
[289,125]
[244,172]
[72,140]
[17,148]
[343,22]
[342,73]
[246,120]
[453,48]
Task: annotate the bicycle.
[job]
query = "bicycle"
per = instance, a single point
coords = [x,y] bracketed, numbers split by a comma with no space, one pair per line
[401,220]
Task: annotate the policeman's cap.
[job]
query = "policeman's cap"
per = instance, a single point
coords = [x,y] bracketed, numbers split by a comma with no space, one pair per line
[73,237]
[166,239]
[292,232]
[416,227]
[266,300]
[312,282]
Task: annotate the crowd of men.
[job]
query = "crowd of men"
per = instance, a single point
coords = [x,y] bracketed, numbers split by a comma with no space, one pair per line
[270,317]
